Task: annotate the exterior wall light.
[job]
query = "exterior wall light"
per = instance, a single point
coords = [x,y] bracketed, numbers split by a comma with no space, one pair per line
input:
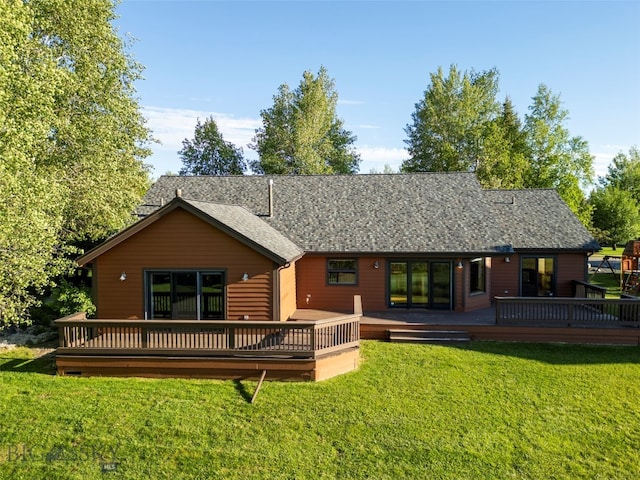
[376,264]
[123,276]
[245,277]
[507,259]
[459,266]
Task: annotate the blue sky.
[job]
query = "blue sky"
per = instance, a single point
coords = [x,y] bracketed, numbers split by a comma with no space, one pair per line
[227,59]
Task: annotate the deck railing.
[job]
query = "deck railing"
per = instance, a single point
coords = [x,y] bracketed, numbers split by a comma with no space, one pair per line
[562,312]
[588,290]
[207,338]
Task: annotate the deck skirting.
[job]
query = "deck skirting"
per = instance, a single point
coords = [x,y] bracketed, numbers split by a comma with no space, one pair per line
[236,368]
[540,334]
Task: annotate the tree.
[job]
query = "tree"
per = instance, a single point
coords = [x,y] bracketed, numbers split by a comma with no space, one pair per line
[451,122]
[97,138]
[624,173]
[301,133]
[616,212]
[556,159]
[209,154]
[504,157]
[71,142]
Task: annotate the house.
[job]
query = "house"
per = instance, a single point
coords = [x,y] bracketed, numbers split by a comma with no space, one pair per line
[261,247]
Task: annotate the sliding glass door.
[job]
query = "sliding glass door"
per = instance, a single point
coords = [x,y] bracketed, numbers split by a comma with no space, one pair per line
[420,284]
[185,295]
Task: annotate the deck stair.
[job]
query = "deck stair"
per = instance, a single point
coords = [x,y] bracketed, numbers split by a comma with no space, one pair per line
[437,337]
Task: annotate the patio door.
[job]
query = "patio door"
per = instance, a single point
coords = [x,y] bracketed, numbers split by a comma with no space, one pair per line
[185,295]
[420,284]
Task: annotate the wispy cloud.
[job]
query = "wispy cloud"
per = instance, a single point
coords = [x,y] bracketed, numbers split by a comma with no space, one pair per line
[171,126]
[368,127]
[375,158]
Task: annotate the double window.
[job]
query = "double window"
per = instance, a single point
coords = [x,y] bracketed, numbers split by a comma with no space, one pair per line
[343,271]
[185,295]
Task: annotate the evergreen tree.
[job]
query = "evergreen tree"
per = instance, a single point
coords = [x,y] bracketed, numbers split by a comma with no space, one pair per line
[209,154]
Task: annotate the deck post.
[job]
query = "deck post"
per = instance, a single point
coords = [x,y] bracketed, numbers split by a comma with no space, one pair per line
[255,394]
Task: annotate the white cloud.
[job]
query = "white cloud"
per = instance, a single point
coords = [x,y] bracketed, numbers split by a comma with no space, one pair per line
[171,126]
[375,158]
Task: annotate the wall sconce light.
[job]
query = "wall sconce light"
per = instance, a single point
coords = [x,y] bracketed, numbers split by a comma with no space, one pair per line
[245,277]
[507,259]
[123,276]
[459,266]
[376,264]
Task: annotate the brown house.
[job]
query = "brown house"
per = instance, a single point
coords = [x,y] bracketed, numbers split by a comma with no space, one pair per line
[260,247]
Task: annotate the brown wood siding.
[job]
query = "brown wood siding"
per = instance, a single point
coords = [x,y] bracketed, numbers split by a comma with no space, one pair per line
[315,292]
[287,280]
[505,277]
[571,266]
[176,241]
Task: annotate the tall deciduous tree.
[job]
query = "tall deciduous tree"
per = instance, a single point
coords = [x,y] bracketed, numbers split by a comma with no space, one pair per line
[452,121]
[98,138]
[71,140]
[209,154]
[301,133]
[556,159]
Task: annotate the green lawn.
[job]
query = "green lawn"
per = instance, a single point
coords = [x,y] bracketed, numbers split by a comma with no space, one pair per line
[493,410]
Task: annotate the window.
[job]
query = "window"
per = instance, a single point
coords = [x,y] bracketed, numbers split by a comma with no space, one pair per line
[538,277]
[342,271]
[185,294]
[477,282]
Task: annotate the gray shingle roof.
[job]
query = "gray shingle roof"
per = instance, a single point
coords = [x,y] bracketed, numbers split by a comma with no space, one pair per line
[538,219]
[440,213]
[252,230]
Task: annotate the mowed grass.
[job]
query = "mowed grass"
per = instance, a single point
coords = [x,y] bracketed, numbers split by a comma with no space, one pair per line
[492,410]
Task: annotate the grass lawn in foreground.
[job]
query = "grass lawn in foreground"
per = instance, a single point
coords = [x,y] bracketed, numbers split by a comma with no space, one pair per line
[492,410]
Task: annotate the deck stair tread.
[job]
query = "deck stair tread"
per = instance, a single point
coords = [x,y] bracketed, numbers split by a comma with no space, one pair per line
[429,336]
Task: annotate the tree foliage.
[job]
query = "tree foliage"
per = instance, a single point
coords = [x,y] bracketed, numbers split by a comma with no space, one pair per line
[209,154]
[616,202]
[556,159]
[624,173]
[616,212]
[301,133]
[504,163]
[459,126]
[451,122]
[71,140]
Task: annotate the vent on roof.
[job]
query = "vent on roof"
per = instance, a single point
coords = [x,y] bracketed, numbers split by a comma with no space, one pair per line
[270,198]
[178,192]
[513,200]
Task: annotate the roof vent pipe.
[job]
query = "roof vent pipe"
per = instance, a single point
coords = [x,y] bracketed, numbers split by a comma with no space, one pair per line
[270,198]
[178,192]
[513,200]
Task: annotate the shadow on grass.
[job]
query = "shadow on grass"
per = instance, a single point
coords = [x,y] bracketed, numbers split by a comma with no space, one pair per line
[241,388]
[561,354]
[45,364]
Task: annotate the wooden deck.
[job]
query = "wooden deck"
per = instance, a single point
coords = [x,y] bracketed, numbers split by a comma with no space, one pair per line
[296,350]
[562,320]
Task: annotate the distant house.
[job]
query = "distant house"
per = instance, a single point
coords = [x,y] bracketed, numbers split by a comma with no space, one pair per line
[260,247]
